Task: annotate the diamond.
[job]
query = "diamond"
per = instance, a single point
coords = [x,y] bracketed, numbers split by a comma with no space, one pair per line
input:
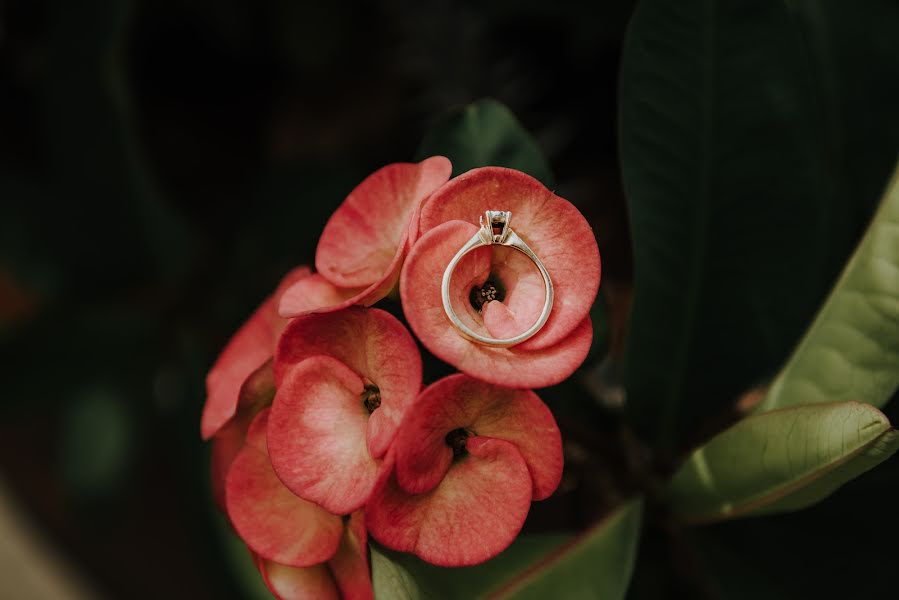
[495,226]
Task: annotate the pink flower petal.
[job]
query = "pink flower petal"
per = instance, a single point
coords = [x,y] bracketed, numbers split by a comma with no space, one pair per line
[344,576]
[256,393]
[315,294]
[317,435]
[484,410]
[474,514]
[274,523]
[251,346]
[525,295]
[367,232]
[298,583]
[350,565]
[423,305]
[553,228]
[375,345]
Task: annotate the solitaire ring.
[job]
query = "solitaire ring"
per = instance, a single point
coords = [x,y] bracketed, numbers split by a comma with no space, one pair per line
[495,230]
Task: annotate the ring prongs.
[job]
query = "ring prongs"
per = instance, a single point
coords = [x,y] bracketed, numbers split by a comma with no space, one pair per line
[495,226]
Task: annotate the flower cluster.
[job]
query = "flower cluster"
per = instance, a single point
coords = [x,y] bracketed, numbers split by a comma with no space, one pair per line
[321,432]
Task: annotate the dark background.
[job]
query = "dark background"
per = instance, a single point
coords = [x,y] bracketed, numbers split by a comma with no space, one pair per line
[163,163]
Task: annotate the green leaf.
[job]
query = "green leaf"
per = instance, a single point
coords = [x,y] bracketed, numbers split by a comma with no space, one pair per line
[741,212]
[391,579]
[482,134]
[405,577]
[781,461]
[597,564]
[851,351]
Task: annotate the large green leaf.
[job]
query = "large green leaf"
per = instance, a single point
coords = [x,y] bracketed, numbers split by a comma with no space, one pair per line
[741,212]
[597,564]
[400,576]
[851,351]
[781,461]
[485,133]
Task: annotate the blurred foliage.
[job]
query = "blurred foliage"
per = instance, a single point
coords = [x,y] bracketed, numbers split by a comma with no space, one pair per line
[96,444]
[485,133]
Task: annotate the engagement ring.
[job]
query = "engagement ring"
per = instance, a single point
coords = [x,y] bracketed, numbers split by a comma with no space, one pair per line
[495,230]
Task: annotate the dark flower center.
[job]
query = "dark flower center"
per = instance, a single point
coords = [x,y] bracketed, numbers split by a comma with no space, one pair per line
[455,439]
[489,292]
[371,397]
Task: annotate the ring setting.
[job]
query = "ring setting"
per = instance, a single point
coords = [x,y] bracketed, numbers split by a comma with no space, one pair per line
[495,230]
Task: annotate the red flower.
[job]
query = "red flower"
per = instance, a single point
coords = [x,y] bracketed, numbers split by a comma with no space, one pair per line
[345,380]
[557,233]
[301,550]
[364,243]
[469,460]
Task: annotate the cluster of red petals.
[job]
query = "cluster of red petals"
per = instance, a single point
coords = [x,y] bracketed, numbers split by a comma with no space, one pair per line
[462,505]
[321,432]
[301,550]
[554,229]
[316,453]
[326,446]
[301,545]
